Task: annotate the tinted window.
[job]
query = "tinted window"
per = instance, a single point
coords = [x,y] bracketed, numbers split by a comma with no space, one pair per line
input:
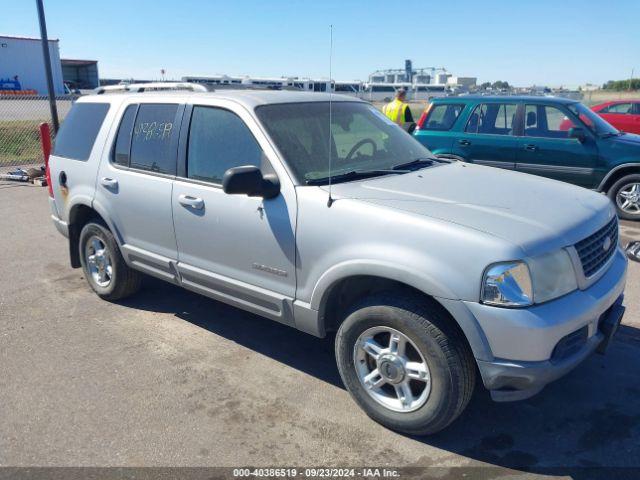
[219,140]
[154,146]
[546,121]
[79,130]
[636,108]
[492,119]
[123,140]
[382,89]
[623,108]
[442,117]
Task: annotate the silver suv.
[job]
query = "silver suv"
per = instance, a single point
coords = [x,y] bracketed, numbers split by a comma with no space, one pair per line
[325,216]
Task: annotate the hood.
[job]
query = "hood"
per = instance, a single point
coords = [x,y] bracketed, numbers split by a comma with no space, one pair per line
[627,139]
[535,213]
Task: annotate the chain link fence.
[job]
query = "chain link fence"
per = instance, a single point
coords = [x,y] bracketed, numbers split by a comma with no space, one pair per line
[20,117]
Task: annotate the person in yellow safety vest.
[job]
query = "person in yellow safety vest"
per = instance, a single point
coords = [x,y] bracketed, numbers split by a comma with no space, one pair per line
[398,110]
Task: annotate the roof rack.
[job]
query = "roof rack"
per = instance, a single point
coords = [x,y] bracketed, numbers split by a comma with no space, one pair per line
[151,87]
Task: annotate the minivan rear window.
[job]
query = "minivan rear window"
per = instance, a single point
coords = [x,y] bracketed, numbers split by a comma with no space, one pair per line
[79,130]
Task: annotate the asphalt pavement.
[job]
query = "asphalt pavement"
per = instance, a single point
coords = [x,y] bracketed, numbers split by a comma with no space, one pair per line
[170,378]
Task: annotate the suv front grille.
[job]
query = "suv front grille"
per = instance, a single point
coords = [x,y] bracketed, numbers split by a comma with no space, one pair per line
[591,250]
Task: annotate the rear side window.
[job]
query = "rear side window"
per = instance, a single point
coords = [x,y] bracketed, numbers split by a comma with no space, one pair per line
[154,143]
[125,133]
[492,119]
[443,116]
[79,130]
[219,140]
[623,108]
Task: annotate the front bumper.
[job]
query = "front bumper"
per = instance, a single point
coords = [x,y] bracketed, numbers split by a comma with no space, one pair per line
[511,381]
[523,341]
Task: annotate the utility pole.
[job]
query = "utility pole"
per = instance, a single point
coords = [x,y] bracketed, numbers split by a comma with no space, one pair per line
[47,67]
[631,79]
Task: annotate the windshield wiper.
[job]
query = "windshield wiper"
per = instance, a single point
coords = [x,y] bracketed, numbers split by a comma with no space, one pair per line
[353,175]
[417,163]
[611,134]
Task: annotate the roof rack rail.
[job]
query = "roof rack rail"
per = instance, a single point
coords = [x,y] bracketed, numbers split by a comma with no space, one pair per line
[151,87]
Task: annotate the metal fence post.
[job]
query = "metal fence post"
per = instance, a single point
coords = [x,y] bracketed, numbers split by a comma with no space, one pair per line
[47,67]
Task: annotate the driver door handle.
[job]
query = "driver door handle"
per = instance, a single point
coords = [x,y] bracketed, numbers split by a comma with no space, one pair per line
[191,202]
[531,147]
[464,143]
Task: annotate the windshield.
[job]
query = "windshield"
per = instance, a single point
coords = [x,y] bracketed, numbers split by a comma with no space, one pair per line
[361,139]
[592,120]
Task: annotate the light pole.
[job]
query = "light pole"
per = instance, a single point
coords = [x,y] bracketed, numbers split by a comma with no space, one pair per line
[47,66]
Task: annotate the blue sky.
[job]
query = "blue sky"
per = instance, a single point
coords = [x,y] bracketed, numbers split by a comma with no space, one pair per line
[559,42]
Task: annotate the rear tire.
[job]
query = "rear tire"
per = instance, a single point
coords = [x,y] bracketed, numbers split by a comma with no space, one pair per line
[625,195]
[103,265]
[430,337]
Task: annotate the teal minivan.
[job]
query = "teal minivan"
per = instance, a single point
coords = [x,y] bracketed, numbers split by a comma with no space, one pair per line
[553,137]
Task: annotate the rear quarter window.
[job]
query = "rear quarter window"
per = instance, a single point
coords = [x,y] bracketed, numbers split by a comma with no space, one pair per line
[79,130]
[443,116]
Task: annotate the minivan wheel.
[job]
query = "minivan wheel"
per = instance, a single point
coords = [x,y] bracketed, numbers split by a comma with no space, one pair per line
[404,362]
[104,268]
[625,195]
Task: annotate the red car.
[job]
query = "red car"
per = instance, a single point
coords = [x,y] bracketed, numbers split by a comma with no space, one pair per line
[622,114]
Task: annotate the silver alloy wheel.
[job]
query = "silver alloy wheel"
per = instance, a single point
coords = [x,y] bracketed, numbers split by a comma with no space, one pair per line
[98,260]
[628,198]
[391,369]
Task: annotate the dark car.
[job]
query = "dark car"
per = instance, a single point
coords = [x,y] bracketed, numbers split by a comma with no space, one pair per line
[552,137]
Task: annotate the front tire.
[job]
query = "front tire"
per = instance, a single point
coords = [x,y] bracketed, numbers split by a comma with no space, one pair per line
[103,265]
[625,195]
[404,362]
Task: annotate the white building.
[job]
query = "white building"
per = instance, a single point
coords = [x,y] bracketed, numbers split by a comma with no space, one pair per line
[23,57]
[463,82]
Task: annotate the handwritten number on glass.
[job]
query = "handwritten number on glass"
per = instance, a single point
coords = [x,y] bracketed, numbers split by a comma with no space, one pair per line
[153,130]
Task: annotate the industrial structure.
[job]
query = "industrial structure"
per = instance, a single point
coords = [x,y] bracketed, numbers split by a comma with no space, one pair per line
[80,73]
[22,64]
[420,83]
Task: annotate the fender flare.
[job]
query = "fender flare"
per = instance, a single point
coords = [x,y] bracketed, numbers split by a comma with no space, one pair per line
[616,169]
[375,268]
[415,279]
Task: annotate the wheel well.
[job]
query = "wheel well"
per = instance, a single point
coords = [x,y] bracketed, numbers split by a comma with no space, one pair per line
[79,216]
[617,175]
[348,291]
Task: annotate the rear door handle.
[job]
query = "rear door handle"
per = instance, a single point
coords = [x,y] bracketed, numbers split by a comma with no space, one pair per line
[531,147]
[191,202]
[109,182]
[464,142]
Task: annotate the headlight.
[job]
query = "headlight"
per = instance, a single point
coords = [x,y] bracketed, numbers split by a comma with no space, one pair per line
[507,285]
[552,275]
[520,284]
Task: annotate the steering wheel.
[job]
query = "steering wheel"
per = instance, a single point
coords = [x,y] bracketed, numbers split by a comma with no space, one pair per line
[359,145]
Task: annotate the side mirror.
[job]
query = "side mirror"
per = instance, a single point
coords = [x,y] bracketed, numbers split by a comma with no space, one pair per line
[577,133]
[410,127]
[248,180]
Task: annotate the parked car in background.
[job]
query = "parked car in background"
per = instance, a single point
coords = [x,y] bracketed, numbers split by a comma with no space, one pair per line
[622,114]
[552,137]
[429,270]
